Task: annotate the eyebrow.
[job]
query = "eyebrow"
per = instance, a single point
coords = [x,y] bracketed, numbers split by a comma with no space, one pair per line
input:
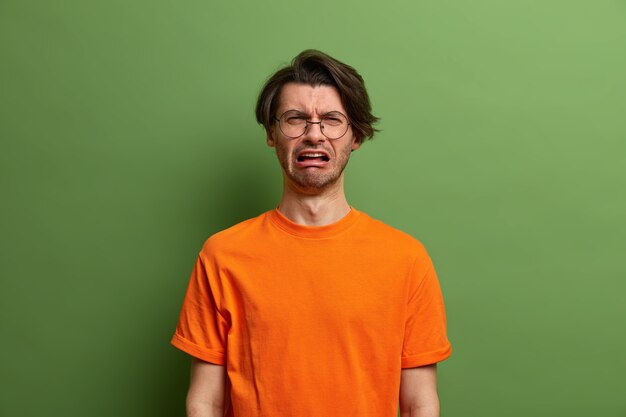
[303,113]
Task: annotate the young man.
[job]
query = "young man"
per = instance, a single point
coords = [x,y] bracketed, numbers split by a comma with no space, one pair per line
[313,308]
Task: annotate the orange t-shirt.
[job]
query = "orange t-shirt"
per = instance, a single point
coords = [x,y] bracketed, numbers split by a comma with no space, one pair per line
[313,321]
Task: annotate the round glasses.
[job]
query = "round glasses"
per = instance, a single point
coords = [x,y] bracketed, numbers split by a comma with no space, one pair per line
[294,123]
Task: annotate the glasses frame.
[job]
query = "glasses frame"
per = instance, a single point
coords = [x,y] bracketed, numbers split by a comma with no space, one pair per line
[309,122]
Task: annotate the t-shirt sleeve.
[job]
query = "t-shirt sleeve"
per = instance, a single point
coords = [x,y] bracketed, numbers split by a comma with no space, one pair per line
[425,338]
[202,329]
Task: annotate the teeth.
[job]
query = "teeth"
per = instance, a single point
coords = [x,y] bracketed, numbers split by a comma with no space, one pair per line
[313,155]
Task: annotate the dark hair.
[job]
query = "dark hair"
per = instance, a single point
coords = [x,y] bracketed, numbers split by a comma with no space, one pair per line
[316,68]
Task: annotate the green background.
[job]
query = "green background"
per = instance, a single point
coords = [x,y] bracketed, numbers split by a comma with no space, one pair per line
[128,137]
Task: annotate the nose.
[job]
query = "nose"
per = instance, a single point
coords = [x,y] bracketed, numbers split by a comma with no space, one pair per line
[313,132]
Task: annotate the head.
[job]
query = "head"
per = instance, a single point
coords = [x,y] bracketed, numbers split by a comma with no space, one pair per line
[315,68]
[315,87]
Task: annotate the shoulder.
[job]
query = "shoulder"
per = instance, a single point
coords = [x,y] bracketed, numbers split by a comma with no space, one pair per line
[396,239]
[394,247]
[236,236]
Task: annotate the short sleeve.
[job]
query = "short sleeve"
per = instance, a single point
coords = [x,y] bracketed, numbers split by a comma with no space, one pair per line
[202,329]
[425,339]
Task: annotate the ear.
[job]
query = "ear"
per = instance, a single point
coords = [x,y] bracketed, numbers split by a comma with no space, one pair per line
[270,137]
[356,143]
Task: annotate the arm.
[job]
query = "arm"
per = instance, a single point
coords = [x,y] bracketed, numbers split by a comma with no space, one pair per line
[418,392]
[208,391]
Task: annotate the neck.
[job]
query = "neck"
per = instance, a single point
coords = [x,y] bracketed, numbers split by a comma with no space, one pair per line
[313,207]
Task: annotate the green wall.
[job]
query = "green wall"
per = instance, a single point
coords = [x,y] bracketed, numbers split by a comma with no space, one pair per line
[128,137]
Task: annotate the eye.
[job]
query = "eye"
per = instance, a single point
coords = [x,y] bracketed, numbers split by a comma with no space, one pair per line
[333,120]
[295,120]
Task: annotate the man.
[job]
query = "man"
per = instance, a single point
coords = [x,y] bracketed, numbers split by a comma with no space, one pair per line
[313,308]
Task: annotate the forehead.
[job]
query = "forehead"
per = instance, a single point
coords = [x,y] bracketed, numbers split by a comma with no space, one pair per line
[310,99]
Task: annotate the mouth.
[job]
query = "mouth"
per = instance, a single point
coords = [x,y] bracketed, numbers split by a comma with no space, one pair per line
[313,157]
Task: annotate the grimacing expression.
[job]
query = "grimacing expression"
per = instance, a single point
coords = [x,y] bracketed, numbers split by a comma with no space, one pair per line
[311,162]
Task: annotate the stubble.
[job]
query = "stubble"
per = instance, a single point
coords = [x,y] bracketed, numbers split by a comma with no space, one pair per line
[314,179]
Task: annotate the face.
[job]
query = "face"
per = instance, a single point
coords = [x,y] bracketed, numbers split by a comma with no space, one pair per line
[311,162]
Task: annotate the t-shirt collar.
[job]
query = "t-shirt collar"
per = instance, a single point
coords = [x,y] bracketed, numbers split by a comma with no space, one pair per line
[314,232]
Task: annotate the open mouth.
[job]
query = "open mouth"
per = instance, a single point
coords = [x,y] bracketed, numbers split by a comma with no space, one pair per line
[313,156]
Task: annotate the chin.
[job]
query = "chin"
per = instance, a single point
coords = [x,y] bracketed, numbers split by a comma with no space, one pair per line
[317,183]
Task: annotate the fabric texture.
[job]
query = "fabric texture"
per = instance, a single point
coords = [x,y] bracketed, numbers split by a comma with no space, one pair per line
[313,321]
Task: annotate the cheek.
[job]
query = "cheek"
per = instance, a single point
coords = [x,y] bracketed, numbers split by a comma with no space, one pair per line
[347,149]
[282,151]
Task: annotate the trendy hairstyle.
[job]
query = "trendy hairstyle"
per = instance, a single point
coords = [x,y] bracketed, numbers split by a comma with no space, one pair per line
[316,68]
